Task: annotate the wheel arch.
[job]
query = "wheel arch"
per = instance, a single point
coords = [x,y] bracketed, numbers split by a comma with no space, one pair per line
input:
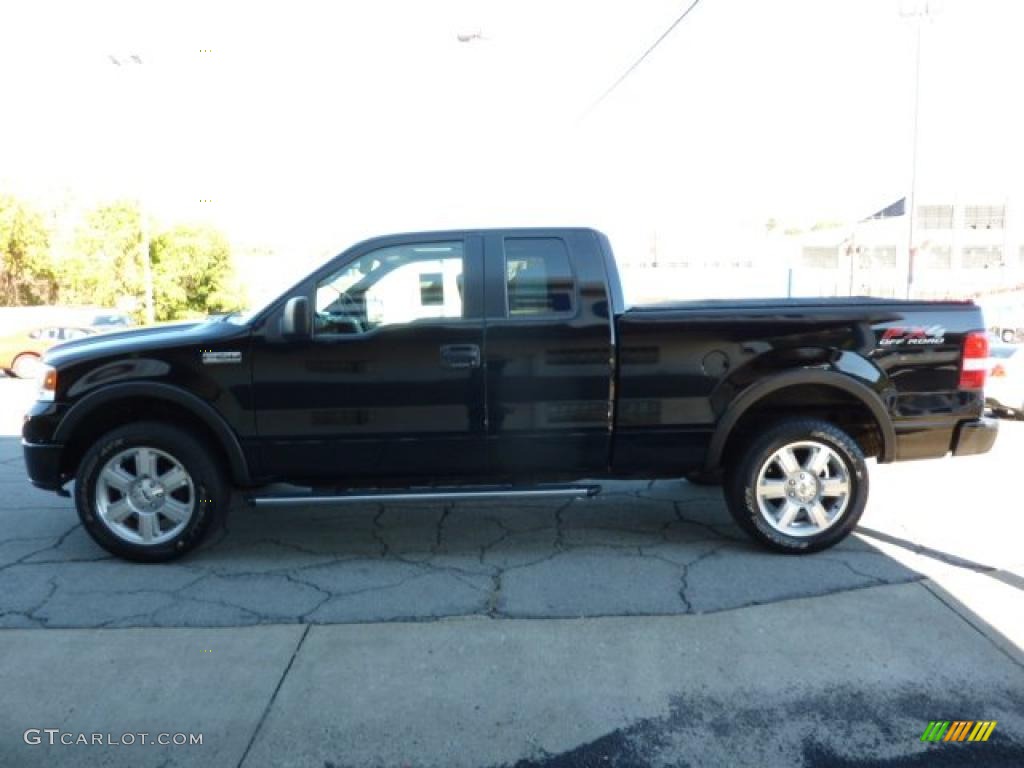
[23,353]
[133,400]
[755,400]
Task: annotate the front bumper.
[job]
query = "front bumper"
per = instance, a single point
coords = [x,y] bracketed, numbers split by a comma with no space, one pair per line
[42,460]
[973,437]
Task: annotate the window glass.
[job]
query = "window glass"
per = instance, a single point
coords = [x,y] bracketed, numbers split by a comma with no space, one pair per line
[935,216]
[984,216]
[539,279]
[392,286]
[432,289]
[982,256]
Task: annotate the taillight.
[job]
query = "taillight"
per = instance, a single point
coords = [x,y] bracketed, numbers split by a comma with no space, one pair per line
[975,361]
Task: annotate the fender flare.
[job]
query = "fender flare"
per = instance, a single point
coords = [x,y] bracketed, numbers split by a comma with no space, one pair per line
[157,391]
[753,394]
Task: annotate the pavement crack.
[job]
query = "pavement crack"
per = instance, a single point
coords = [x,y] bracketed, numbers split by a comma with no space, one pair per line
[849,566]
[685,576]
[486,548]
[31,612]
[273,696]
[683,586]
[23,560]
[559,526]
[494,597]
[377,531]
[292,546]
[709,527]
[327,595]
[440,528]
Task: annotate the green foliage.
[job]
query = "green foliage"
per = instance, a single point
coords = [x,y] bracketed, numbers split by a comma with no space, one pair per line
[105,266]
[26,269]
[192,266]
[192,273]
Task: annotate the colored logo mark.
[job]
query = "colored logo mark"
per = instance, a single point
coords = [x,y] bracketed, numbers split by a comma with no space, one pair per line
[958,730]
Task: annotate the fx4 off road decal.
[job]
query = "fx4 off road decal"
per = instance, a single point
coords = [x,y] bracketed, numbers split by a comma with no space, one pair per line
[912,335]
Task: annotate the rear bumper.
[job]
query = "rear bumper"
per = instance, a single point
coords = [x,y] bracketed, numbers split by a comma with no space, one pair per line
[42,461]
[973,437]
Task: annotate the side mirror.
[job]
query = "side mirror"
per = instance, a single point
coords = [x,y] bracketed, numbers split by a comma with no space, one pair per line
[296,321]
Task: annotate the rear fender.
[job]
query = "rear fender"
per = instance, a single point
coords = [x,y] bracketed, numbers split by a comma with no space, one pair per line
[757,391]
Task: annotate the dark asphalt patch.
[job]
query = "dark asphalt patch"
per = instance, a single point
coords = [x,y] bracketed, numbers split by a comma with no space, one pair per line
[842,728]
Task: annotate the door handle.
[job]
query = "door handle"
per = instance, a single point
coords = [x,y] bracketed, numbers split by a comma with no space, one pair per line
[460,356]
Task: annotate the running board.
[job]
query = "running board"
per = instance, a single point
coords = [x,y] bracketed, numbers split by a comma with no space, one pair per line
[428,494]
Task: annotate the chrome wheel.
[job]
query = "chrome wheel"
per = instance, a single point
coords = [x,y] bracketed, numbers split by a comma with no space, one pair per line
[803,488]
[144,496]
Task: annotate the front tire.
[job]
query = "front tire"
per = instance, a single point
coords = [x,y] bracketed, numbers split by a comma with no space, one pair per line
[800,487]
[149,492]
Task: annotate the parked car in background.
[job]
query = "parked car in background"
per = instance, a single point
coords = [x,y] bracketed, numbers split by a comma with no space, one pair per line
[1004,391]
[107,320]
[14,319]
[20,352]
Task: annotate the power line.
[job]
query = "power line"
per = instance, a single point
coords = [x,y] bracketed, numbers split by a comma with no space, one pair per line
[638,62]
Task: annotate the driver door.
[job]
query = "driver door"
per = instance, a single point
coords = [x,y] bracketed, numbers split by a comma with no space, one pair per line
[390,386]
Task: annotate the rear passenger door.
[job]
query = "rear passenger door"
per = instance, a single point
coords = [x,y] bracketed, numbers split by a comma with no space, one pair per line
[548,356]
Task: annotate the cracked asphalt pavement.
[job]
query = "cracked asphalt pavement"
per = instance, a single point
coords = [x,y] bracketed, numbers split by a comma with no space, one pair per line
[934,573]
[655,548]
[637,549]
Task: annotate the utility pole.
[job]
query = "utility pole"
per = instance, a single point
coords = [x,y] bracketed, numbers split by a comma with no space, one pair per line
[912,197]
[920,11]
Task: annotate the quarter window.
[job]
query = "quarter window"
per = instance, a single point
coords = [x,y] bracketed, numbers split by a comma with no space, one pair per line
[538,277]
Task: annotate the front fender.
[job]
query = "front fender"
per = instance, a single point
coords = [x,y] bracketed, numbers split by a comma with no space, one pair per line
[168,393]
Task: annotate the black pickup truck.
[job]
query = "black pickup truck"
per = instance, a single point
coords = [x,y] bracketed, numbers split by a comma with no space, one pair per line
[502,363]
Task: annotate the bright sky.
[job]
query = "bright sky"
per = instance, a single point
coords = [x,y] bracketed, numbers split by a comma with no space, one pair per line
[310,125]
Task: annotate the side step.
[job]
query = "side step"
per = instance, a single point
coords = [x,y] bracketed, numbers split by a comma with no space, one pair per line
[475,493]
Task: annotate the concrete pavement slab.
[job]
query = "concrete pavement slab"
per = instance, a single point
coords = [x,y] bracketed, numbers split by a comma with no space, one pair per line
[816,682]
[213,682]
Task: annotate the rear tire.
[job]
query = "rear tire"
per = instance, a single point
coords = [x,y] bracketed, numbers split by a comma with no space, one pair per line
[800,487]
[149,492]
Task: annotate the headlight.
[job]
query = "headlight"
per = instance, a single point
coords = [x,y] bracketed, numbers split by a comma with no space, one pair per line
[47,379]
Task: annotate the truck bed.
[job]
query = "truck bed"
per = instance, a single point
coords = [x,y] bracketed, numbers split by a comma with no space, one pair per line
[845,302]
